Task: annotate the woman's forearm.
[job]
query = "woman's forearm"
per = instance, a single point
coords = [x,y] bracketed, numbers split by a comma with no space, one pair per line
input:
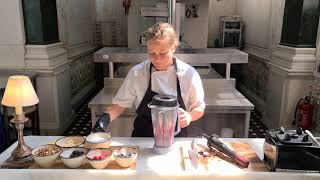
[197,113]
[115,111]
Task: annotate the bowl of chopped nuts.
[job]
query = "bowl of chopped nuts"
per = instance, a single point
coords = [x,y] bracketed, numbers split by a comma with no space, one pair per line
[46,155]
[73,157]
[125,156]
[99,158]
[70,141]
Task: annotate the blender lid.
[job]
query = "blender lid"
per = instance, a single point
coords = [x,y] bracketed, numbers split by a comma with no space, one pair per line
[164,100]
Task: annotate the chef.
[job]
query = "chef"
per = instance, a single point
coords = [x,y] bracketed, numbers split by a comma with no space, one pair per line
[161,74]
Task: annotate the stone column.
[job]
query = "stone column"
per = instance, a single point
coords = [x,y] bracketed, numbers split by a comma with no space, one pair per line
[40,21]
[46,55]
[293,59]
[12,39]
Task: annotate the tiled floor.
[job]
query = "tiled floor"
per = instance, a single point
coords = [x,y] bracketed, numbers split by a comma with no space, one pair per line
[82,122]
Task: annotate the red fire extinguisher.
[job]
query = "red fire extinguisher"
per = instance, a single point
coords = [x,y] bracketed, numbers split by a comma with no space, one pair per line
[304,113]
[126,4]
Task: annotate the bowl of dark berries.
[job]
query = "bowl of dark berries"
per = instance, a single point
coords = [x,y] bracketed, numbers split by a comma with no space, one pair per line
[99,158]
[73,157]
[125,156]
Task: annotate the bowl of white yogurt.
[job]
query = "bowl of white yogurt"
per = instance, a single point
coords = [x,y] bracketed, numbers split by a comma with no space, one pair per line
[98,140]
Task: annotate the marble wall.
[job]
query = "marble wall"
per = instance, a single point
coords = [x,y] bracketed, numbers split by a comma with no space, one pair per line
[112,22]
[76,20]
[217,9]
[76,30]
[253,81]
[12,38]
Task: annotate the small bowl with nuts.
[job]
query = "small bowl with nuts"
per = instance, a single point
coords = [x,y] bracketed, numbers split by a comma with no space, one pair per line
[46,155]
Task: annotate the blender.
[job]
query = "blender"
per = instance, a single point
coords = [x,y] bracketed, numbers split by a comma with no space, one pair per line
[164,112]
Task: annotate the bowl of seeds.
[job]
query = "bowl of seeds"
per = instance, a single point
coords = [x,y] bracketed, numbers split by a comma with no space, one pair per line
[46,155]
[70,141]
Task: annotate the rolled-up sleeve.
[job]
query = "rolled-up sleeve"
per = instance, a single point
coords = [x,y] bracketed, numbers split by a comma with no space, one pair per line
[126,94]
[196,93]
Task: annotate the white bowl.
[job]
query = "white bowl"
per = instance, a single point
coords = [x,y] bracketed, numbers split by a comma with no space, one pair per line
[73,162]
[125,156]
[70,141]
[99,163]
[98,140]
[45,161]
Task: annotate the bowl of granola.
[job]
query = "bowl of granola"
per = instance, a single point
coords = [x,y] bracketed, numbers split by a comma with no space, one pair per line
[46,155]
[70,141]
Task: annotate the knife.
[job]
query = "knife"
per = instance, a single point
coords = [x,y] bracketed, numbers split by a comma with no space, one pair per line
[214,142]
[314,140]
[193,154]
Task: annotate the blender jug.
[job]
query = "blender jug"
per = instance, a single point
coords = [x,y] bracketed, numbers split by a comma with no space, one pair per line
[164,112]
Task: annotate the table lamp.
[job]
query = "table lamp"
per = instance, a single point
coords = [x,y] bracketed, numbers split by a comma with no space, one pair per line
[19,92]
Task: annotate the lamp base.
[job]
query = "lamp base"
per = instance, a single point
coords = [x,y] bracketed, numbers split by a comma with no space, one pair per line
[20,164]
[21,153]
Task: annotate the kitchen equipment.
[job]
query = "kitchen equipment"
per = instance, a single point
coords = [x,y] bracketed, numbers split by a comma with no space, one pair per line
[214,161]
[164,112]
[193,154]
[313,139]
[290,150]
[215,143]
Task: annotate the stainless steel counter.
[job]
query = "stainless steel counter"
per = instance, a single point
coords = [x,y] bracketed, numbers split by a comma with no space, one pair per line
[207,55]
[192,56]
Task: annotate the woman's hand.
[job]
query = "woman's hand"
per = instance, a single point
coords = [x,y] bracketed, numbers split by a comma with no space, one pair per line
[184,118]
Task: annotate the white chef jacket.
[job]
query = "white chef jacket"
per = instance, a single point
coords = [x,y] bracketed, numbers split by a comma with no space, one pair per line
[136,84]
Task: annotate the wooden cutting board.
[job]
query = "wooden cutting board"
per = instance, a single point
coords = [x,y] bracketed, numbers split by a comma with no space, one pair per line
[216,162]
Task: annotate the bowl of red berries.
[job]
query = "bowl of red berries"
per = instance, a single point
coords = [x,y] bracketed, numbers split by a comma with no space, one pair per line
[99,158]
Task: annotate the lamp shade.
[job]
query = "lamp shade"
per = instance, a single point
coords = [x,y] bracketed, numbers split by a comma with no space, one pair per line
[19,92]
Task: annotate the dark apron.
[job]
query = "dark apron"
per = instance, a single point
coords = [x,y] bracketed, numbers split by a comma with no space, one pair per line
[143,122]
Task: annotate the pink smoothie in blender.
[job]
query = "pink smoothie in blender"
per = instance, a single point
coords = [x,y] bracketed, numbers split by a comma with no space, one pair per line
[164,112]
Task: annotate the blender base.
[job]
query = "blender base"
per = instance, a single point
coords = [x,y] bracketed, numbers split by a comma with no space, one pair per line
[161,150]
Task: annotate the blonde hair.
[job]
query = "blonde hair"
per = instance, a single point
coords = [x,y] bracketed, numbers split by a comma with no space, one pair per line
[162,31]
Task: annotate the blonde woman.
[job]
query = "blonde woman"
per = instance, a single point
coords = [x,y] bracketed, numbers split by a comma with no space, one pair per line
[162,73]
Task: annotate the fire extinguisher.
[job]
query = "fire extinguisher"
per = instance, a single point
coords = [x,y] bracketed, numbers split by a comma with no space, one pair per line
[304,113]
[126,4]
